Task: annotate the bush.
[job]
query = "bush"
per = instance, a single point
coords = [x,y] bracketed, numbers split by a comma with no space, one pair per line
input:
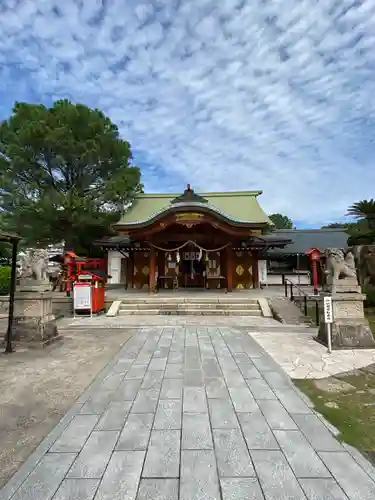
[4,280]
[365,238]
[369,290]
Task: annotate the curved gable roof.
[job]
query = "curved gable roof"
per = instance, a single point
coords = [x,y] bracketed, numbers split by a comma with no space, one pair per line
[238,207]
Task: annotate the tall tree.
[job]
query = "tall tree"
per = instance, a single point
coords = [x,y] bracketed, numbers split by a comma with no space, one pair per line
[281,221]
[364,209]
[65,173]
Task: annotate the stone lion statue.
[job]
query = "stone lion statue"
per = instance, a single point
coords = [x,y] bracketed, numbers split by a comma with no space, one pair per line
[339,265]
[34,265]
[365,256]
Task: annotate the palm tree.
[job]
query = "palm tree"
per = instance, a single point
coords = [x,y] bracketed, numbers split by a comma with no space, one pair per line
[364,209]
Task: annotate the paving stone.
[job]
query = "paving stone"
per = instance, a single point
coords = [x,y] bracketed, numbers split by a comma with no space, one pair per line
[195,400]
[317,433]
[198,475]
[122,476]
[136,432]
[146,401]
[196,432]
[350,476]
[257,432]
[136,372]
[112,381]
[163,455]
[192,361]
[114,417]
[168,414]
[361,460]
[242,399]
[222,414]
[77,489]
[276,415]
[242,358]
[174,370]
[232,456]
[211,368]
[97,402]
[260,389]
[158,489]
[292,402]
[127,390]
[301,456]
[93,459]
[45,479]
[265,364]
[322,489]
[234,378]
[241,488]
[249,371]
[153,379]
[161,352]
[277,381]
[216,388]
[193,378]
[158,364]
[275,475]
[75,435]
[176,357]
[171,388]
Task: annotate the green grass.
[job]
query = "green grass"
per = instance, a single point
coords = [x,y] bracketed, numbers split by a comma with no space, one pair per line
[355,415]
[371,318]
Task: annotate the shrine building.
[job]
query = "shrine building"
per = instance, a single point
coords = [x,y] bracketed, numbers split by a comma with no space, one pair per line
[191,240]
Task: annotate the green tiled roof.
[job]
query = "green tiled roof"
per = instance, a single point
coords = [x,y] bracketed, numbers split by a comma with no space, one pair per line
[239,206]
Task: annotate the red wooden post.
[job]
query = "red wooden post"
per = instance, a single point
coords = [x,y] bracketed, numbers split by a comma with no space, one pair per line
[229,268]
[314,256]
[152,270]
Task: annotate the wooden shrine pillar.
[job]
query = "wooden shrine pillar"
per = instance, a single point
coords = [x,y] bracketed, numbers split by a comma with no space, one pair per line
[229,268]
[130,270]
[152,271]
[255,268]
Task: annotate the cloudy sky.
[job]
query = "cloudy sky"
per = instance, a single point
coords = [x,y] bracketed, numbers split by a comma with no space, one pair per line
[277,95]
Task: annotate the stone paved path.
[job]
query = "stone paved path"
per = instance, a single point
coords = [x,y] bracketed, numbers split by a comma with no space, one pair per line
[192,414]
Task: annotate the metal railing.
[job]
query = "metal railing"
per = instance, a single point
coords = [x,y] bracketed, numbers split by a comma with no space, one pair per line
[301,299]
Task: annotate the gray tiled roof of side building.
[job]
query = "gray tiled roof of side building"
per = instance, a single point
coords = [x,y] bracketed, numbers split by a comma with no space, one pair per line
[303,239]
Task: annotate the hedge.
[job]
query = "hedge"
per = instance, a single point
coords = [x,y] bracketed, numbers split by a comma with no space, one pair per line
[4,279]
[369,290]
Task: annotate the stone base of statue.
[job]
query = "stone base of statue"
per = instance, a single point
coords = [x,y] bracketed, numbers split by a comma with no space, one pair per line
[350,329]
[34,321]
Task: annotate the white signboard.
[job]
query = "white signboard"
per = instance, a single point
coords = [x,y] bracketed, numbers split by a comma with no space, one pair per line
[262,271]
[82,297]
[328,313]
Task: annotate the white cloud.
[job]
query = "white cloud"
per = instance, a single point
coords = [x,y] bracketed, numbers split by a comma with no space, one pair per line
[234,94]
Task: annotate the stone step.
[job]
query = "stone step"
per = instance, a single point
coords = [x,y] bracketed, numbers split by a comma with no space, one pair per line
[187,305]
[180,300]
[190,312]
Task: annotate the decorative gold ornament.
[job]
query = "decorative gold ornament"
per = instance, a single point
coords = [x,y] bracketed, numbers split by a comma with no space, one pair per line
[239,270]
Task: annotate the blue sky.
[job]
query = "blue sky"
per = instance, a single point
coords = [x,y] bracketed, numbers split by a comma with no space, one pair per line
[277,95]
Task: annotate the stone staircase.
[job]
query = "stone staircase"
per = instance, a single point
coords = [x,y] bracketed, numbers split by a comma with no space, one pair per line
[192,306]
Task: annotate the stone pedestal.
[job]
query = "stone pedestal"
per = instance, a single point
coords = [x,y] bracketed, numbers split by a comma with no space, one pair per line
[350,328]
[34,321]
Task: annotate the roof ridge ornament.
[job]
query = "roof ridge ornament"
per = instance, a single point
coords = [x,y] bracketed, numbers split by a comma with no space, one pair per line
[189,196]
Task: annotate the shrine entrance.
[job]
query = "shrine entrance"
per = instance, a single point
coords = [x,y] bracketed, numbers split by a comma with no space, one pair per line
[189,265]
